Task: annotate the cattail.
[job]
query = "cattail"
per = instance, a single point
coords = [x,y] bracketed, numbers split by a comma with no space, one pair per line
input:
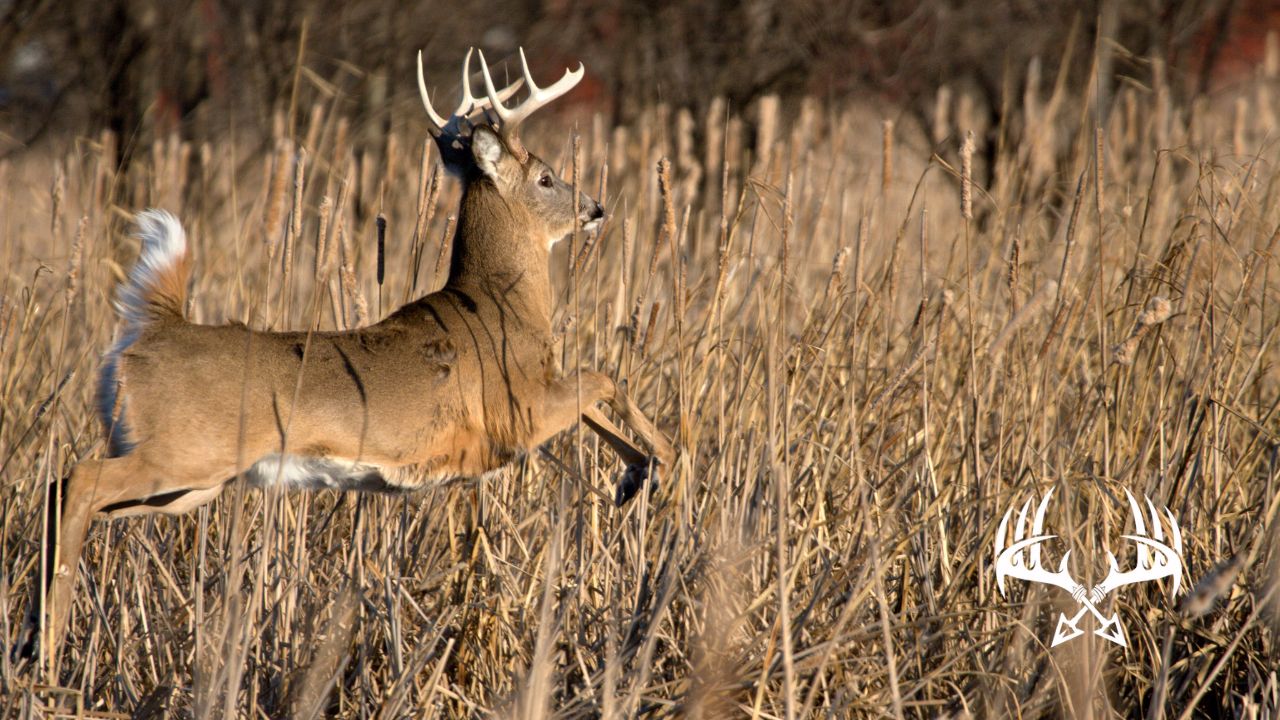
[57,191]
[648,331]
[295,216]
[275,196]
[381,224]
[349,285]
[322,238]
[733,141]
[767,130]
[839,264]
[1158,310]
[715,136]
[668,213]
[1015,267]
[966,176]
[690,170]
[1099,168]
[886,163]
[77,254]
[618,149]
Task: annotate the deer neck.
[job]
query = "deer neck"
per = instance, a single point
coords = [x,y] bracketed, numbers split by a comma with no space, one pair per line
[495,257]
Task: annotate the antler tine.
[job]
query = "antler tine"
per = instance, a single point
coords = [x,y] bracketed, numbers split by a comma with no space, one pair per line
[538,97]
[468,100]
[438,121]
[469,104]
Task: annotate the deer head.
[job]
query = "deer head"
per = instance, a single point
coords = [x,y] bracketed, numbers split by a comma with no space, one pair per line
[487,153]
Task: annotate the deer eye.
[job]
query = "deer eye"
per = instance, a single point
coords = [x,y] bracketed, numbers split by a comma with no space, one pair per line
[546,181]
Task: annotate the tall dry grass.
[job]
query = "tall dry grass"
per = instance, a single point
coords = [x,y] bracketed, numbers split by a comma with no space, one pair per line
[861,376]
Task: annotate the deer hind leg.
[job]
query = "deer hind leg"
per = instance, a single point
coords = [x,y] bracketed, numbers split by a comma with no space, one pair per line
[119,487]
[562,410]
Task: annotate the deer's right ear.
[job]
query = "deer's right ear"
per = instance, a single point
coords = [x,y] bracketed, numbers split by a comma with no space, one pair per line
[487,150]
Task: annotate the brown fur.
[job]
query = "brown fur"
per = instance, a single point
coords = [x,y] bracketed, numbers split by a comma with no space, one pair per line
[456,384]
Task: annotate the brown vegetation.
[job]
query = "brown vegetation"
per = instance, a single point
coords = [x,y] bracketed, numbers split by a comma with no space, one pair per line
[861,378]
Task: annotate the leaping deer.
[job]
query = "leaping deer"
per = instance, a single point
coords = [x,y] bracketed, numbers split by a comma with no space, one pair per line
[457,384]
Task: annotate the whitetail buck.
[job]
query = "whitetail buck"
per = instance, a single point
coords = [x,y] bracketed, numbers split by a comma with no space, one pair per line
[455,385]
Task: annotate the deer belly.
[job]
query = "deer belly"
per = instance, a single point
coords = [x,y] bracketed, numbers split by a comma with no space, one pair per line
[305,472]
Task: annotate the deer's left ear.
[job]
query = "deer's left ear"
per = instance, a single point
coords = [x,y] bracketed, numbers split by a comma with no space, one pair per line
[488,151]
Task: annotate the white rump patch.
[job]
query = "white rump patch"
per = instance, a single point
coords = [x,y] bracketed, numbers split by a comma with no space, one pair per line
[314,473]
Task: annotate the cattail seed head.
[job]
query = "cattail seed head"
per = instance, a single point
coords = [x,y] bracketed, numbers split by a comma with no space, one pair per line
[381,224]
[1158,310]
[966,176]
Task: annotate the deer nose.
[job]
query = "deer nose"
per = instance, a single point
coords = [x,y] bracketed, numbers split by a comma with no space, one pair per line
[591,210]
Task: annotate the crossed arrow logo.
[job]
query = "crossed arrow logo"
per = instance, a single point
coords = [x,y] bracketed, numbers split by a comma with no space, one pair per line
[1156,560]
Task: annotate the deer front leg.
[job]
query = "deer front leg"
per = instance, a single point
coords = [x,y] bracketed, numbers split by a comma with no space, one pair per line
[563,408]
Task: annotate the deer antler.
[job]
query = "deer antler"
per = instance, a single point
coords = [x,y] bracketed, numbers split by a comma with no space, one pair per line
[538,97]
[1012,562]
[1156,558]
[469,108]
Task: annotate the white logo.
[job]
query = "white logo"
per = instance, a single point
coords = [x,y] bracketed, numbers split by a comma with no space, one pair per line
[1156,560]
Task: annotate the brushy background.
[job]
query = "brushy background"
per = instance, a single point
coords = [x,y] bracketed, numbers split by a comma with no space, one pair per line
[867,343]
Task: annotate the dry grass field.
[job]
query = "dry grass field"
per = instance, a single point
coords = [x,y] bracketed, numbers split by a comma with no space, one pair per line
[866,349]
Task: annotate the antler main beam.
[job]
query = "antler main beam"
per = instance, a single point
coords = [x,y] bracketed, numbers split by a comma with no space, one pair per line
[470,105]
[538,98]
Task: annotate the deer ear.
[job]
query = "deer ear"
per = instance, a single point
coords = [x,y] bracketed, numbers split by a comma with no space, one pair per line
[487,150]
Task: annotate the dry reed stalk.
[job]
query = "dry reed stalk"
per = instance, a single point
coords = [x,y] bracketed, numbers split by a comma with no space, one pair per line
[446,238]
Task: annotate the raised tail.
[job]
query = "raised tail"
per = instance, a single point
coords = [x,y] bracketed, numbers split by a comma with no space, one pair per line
[157,285]
[156,290]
